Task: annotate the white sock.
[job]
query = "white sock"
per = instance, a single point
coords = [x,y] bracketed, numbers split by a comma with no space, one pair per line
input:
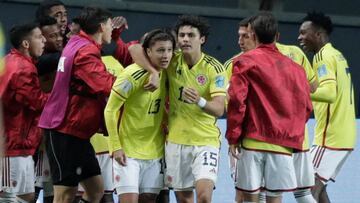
[304,196]
[262,197]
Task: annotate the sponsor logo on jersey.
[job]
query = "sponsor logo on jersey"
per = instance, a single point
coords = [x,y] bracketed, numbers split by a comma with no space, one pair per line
[201,79]
[125,86]
[322,71]
[219,81]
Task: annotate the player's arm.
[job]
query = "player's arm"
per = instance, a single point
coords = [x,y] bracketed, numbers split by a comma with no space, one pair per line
[326,92]
[310,75]
[238,91]
[139,57]
[122,89]
[214,107]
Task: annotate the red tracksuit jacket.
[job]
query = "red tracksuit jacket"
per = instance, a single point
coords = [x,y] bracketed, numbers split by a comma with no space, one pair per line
[269,99]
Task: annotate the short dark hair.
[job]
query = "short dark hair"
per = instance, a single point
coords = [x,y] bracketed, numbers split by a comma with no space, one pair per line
[158,35]
[47,20]
[244,22]
[265,27]
[91,17]
[320,20]
[194,21]
[19,32]
[44,8]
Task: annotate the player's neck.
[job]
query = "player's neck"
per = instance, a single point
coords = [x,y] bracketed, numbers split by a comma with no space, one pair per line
[322,42]
[193,58]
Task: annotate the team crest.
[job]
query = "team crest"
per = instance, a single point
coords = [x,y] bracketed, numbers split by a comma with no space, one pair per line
[201,79]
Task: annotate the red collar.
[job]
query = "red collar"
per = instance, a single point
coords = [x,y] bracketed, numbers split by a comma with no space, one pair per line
[28,58]
[86,36]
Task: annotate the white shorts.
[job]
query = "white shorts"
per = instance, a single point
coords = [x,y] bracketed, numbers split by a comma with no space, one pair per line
[327,163]
[139,176]
[304,170]
[232,165]
[18,175]
[273,171]
[106,166]
[42,169]
[187,164]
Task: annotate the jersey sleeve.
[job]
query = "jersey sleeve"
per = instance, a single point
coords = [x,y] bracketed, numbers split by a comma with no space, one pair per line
[326,71]
[123,87]
[310,75]
[218,81]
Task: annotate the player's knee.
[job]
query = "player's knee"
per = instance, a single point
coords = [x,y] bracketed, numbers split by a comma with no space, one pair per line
[203,197]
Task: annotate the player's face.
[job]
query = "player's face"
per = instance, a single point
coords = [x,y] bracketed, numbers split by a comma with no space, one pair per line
[60,14]
[107,30]
[189,39]
[245,42]
[308,36]
[160,54]
[54,39]
[36,43]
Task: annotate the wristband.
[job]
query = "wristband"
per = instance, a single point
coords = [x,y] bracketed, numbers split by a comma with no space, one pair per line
[202,102]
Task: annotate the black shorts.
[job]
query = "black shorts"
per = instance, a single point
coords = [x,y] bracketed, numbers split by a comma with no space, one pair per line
[71,159]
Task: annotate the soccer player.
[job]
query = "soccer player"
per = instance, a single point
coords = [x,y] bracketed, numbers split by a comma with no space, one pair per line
[23,102]
[46,66]
[137,145]
[74,111]
[335,130]
[197,95]
[55,9]
[268,138]
[302,159]
[245,43]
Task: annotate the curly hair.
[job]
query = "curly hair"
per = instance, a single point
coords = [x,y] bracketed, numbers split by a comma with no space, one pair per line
[194,21]
[320,20]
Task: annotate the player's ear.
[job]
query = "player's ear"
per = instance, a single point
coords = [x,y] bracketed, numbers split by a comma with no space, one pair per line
[202,39]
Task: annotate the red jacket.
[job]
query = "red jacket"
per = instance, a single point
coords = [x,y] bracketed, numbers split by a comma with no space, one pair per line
[269,99]
[122,53]
[22,101]
[90,85]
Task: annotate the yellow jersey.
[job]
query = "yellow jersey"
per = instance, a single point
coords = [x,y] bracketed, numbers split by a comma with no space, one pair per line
[335,122]
[298,56]
[188,123]
[139,133]
[99,141]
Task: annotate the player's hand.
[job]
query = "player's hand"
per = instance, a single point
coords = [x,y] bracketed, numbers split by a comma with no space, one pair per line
[190,95]
[119,22]
[120,157]
[235,151]
[153,83]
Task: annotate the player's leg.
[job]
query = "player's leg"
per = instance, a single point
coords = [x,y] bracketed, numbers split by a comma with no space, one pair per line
[205,169]
[327,164]
[178,172]
[279,175]
[250,167]
[106,166]
[127,180]
[94,188]
[151,180]
[304,172]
